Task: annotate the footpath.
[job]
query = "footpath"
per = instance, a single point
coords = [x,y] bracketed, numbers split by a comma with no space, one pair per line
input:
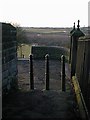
[40,104]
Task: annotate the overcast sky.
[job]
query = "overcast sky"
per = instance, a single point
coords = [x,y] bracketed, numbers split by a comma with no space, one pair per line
[44,13]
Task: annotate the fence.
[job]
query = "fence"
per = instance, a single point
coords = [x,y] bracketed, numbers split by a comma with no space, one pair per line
[83,68]
[80,66]
[9,57]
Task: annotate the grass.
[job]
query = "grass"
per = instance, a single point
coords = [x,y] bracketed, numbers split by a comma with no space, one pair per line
[24,50]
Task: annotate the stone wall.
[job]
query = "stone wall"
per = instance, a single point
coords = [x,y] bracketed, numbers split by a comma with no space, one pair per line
[54,52]
[9,57]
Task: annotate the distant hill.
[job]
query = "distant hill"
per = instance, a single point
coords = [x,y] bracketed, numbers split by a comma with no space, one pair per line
[52,30]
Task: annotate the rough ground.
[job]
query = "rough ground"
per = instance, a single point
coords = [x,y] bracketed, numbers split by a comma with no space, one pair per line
[39,103]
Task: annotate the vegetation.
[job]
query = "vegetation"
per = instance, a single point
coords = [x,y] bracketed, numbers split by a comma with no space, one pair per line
[21,35]
[24,50]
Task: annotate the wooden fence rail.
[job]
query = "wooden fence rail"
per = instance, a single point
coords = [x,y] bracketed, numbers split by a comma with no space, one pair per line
[82,68]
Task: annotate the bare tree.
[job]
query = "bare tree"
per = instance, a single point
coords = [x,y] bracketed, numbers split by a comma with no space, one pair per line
[21,34]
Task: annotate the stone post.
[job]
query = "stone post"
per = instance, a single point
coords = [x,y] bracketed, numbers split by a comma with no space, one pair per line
[63,87]
[47,71]
[31,73]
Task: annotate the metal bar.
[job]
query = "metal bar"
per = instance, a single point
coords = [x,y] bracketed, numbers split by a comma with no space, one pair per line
[47,71]
[63,87]
[31,73]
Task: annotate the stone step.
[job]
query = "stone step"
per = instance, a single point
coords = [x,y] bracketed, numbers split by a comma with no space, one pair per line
[40,104]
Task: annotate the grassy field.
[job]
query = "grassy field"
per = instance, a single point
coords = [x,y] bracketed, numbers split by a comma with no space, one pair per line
[52,30]
[48,36]
[47,30]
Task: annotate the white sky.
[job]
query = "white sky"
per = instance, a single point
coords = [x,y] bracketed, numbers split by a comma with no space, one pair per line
[44,13]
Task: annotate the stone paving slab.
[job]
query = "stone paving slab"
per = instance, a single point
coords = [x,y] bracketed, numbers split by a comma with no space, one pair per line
[39,104]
